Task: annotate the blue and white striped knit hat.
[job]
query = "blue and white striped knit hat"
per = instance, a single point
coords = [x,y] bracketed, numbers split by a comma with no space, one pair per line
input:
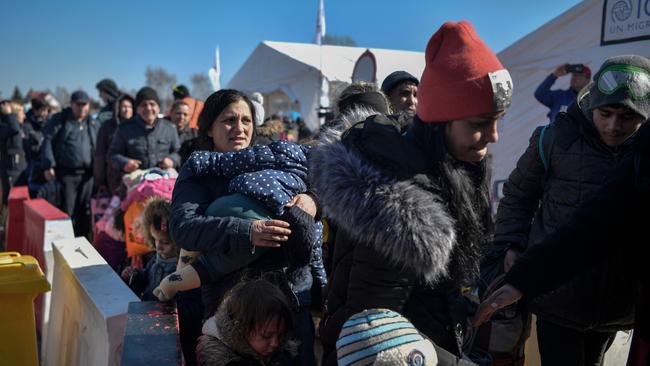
[383,337]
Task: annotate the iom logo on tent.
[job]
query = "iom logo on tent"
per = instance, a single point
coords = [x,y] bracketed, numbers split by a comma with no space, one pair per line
[625,21]
[621,10]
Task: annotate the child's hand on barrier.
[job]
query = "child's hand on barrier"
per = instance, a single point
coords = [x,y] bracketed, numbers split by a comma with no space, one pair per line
[166,290]
[160,294]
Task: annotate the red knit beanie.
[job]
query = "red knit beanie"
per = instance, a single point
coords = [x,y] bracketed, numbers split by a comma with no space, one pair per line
[462,78]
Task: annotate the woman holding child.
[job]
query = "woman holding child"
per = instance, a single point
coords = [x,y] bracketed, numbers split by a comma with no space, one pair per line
[226,126]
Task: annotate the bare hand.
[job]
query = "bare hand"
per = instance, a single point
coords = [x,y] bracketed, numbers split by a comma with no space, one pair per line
[560,71]
[502,297]
[268,233]
[164,291]
[127,273]
[132,165]
[510,259]
[49,174]
[305,202]
[166,163]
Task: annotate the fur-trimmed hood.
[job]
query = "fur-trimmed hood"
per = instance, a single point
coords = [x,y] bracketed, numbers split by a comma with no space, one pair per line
[221,344]
[403,219]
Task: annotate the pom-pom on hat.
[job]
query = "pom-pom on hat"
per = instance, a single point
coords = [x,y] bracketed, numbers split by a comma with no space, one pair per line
[462,77]
[383,337]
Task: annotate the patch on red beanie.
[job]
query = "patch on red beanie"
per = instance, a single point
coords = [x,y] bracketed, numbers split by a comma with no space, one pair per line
[501,89]
[462,78]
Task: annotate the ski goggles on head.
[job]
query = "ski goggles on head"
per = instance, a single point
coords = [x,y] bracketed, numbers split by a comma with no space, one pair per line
[635,79]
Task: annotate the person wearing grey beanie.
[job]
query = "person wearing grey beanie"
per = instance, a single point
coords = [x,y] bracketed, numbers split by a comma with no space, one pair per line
[624,81]
[565,163]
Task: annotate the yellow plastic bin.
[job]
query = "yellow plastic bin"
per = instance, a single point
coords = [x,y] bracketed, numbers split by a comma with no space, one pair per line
[21,279]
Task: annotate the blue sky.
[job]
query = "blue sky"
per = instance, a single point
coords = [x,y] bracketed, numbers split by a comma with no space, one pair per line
[76,43]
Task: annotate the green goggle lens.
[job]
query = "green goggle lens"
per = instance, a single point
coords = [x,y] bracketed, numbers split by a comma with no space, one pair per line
[634,79]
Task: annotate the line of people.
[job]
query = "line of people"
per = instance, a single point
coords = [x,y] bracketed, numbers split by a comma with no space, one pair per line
[384,217]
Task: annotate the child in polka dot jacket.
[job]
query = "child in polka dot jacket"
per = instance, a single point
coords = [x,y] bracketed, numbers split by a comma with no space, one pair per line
[263,179]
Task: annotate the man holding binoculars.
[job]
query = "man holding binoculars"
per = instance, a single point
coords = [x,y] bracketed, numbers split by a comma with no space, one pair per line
[558,100]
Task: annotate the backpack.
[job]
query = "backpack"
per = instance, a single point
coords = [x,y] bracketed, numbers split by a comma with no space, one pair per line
[500,341]
[563,134]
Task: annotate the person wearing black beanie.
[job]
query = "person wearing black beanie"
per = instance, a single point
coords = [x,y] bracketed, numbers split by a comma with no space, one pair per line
[401,88]
[147,93]
[180,92]
[146,140]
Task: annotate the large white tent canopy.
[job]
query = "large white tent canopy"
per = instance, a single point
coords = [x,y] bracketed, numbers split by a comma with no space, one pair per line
[588,33]
[295,69]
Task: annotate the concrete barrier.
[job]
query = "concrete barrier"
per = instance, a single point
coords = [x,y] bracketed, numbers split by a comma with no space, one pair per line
[617,353]
[152,335]
[89,308]
[44,223]
[15,230]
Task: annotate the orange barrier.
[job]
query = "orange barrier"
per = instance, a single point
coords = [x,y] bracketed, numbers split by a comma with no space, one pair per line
[15,230]
[44,223]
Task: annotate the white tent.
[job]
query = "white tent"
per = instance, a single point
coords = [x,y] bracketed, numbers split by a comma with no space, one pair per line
[294,68]
[588,33]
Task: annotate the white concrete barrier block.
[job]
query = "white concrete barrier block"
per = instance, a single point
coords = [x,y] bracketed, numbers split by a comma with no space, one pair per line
[617,353]
[54,230]
[88,308]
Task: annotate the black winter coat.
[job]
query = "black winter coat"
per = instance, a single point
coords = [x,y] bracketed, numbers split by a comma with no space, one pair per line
[537,201]
[12,155]
[188,138]
[394,240]
[33,139]
[107,113]
[104,172]
[67,143]
[614,219]
[133,140]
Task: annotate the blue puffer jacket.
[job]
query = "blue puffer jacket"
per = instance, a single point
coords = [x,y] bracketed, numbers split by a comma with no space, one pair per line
[271,174]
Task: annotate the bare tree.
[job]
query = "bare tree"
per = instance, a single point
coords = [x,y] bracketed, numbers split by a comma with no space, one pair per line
[62,95]
[163,82]
[335,40]
[17,95]
[201,87]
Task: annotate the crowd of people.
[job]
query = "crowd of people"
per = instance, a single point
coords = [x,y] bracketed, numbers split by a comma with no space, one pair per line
[379,224]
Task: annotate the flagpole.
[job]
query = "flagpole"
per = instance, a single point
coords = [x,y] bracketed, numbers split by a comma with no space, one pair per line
[320,33]
[214,73]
